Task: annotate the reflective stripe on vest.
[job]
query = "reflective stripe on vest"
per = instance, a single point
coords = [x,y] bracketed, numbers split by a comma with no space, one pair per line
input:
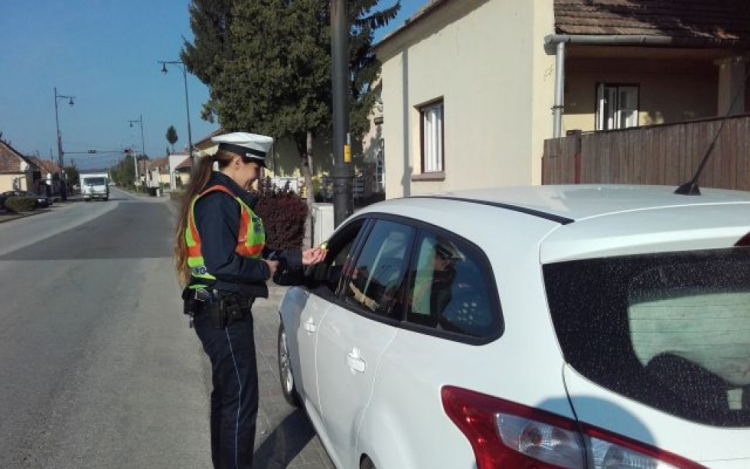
[250,241]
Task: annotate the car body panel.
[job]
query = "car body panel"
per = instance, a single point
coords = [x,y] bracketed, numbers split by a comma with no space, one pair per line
[404,424]
[347,340]
[714,447]
[299,309]
[400,418]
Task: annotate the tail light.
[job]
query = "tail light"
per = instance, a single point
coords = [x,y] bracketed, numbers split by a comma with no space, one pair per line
[506,435]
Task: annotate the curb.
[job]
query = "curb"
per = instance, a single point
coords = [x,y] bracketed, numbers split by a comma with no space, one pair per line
[16,216]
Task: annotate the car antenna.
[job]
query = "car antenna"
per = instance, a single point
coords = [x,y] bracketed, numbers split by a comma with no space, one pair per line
[691,187]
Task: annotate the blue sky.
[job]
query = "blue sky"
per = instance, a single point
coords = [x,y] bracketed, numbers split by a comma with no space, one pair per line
[105,54]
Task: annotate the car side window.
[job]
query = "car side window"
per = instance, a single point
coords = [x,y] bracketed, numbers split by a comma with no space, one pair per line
[327,275]
[449,290]
[377,279]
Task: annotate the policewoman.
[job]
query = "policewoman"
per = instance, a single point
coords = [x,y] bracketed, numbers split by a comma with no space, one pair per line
[219,258]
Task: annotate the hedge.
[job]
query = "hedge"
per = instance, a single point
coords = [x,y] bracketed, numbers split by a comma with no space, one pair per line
[284,214]
[21,204]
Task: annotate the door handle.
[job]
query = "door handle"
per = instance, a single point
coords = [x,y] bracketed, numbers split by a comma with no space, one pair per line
[309,326]
[354,361]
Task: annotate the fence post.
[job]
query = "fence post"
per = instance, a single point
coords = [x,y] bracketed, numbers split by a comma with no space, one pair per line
[576,155]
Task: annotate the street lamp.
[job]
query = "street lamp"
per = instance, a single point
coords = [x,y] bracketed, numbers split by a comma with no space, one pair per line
[63,189]
[181,65]
[143,145]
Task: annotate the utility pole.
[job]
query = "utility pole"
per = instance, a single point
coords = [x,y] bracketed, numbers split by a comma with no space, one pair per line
[342,170]
[181,65]
[143,145]
[60,153]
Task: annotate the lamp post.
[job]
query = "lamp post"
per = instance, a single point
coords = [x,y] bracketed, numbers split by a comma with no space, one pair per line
[181,65]
[342,170]
[60,153]
[143,145]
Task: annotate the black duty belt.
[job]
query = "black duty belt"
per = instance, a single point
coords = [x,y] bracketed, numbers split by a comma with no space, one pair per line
[222,308]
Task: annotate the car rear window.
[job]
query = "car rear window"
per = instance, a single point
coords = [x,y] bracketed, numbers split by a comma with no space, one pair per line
[669,330]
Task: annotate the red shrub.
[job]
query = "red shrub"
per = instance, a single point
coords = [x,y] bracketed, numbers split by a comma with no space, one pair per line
[283,213]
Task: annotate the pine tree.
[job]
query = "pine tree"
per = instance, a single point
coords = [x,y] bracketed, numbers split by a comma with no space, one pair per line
[171,136]
[267,64]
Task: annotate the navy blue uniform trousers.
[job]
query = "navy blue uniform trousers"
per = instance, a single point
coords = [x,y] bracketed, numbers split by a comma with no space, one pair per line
[234,399]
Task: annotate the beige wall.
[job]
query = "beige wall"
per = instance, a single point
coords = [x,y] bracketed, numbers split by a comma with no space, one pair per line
[670,90]
[6,182]
[487,61]
[288,163]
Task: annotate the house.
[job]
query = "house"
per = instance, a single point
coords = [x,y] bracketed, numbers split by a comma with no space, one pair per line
[157,172]
[47,181]
[180,166]
[471,90]
[16,170]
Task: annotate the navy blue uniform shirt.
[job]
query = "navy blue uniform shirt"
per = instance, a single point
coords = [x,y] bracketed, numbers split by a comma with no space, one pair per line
[217,218]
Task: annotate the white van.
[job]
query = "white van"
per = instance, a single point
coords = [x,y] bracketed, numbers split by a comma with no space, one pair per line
[95,186]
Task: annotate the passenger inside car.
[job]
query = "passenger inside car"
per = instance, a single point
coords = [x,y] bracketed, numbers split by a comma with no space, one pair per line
[434,283]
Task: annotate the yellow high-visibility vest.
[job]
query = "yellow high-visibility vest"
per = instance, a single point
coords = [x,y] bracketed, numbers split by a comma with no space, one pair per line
[250,241]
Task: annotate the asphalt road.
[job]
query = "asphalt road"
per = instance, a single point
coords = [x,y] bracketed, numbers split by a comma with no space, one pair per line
[97,366]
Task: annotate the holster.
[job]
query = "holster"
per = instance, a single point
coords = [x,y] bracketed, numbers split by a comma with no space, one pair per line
[216,314]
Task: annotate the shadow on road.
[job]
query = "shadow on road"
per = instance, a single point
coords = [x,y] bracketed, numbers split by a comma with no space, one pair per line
[285,442]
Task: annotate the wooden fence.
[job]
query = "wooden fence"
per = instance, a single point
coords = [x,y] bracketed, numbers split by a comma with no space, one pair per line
[664,154]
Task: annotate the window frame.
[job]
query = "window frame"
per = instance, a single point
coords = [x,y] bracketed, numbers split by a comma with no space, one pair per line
[318,287]
[402,323]
[484,265]
[341,299]
[617,109]
[423,109]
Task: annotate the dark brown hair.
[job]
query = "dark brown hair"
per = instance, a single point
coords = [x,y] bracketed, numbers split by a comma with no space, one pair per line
[198,180]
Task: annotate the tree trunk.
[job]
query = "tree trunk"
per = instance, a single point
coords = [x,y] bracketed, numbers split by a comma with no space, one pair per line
[308,173]
[306,155]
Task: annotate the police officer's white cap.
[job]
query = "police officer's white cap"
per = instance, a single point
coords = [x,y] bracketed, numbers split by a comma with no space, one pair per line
[250,146]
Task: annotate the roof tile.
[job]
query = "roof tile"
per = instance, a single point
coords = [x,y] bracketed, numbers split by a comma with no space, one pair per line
[11,159]
[725,20]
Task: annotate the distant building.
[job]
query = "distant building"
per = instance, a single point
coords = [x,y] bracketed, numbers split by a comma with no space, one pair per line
[16,170]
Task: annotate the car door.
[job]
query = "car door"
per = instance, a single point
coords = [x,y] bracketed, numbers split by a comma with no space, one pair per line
[356,331]
[322,290]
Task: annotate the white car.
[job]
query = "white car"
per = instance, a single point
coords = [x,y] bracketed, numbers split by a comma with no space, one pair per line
[573,327]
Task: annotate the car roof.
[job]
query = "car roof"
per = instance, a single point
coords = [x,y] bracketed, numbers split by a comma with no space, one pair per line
[584,221]
[570,203]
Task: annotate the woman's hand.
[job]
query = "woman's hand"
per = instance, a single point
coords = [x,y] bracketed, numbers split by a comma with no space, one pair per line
[313,255]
